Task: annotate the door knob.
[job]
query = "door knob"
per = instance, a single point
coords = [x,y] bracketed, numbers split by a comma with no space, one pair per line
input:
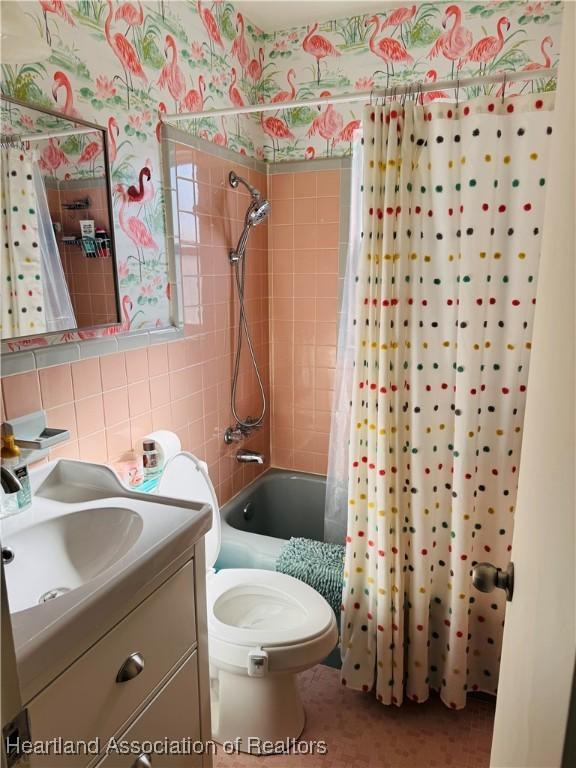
[132,667]
[486,577]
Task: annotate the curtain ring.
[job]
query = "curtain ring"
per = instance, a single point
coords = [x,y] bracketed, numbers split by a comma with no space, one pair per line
[503,87]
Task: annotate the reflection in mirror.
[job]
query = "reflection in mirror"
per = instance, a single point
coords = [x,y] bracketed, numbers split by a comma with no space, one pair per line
[57,244]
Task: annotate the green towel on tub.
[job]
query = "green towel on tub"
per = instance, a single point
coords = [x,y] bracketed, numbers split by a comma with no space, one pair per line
[317,563]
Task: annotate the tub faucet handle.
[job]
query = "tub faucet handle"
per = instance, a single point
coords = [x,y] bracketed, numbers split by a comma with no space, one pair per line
[240,431]
[233,435]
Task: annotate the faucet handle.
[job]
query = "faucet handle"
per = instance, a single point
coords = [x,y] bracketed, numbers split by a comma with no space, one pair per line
[234,435]
[240,431]
[10,483]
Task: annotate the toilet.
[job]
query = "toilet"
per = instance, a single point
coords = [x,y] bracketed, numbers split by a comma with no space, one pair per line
[263,628]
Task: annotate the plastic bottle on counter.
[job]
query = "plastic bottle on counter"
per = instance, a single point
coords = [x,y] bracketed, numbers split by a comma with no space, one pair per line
[151,462]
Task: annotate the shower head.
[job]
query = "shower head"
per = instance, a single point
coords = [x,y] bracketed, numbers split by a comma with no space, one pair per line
[234,180]
[257,213]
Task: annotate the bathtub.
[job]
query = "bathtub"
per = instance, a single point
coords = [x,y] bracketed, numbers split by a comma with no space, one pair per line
[276,506]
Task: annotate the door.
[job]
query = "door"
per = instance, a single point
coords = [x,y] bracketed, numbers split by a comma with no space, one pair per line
[539,648]
[11,701]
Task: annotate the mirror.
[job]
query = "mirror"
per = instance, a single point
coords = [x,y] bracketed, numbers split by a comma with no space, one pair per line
[58,269]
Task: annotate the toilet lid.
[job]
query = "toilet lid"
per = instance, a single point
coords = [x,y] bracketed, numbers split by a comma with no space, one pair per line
[186,477]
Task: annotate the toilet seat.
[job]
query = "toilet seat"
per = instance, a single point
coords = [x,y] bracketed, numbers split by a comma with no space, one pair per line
[247,606]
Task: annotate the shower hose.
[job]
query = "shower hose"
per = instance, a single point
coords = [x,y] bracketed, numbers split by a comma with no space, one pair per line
[244,330]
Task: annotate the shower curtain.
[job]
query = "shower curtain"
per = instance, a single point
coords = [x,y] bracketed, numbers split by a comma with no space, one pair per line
[23,307]
[35,295]
[442,308]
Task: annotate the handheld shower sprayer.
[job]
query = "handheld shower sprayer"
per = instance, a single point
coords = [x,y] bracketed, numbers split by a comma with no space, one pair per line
[256,212]
[258,209]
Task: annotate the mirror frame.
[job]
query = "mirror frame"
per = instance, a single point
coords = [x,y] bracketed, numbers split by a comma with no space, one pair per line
[108,176]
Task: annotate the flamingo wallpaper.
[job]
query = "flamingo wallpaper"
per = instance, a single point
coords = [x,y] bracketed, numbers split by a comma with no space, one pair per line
[124,63]
[405,43]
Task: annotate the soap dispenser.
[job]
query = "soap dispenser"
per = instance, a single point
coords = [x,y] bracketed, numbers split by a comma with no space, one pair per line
[11,459]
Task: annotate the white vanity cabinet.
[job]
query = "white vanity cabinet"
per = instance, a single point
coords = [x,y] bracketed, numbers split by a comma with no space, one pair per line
[146,679]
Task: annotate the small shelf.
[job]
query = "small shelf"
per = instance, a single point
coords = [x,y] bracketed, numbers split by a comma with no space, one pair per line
[33,436]
[92,247]
[77,205]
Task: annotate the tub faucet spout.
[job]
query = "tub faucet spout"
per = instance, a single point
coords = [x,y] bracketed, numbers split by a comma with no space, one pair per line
[249,457]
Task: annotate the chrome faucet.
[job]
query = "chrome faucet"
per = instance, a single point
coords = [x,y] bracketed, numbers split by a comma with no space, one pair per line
[10,483]
[244,456]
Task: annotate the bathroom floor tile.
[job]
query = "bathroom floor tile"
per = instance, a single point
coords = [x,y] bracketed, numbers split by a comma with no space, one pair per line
[361,733]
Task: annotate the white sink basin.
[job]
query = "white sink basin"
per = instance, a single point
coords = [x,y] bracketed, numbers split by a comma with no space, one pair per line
[86,552]
[58,555]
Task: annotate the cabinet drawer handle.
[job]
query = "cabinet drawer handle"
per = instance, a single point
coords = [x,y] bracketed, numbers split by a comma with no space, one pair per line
[142,761]
[132,667]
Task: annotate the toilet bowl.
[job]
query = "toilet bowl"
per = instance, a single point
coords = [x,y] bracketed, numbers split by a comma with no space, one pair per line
[263,628]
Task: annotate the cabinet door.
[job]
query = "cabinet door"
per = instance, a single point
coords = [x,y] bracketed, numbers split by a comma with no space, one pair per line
[172,717]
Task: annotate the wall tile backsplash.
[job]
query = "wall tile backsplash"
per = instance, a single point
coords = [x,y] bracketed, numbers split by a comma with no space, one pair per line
[303,254]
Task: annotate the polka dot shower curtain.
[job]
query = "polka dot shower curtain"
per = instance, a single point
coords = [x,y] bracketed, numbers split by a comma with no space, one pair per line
[452,208]
[23,309]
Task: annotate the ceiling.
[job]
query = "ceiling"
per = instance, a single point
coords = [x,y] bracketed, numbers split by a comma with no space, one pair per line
[275,15]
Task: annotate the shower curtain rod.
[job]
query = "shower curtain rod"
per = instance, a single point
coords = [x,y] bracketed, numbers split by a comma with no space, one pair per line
[15,137]
[506,77]
[56,135]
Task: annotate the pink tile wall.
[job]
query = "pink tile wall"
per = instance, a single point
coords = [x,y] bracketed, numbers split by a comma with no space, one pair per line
[110,403]
[303,253]
[211,218]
